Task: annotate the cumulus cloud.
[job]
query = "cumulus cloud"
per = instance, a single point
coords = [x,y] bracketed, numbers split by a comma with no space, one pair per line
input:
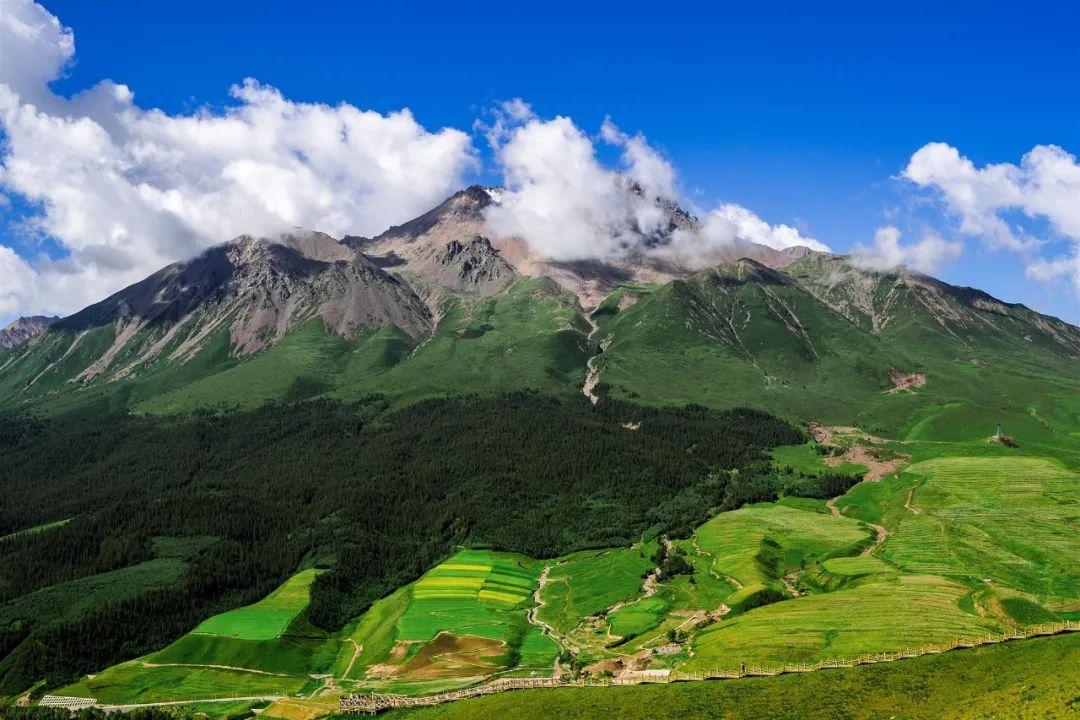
[1066,267]
[125,190]
[35,48]
[558,196]
[1044,186]
[16,282]
[641,161]
[568,205]
[734,222]
[928,255]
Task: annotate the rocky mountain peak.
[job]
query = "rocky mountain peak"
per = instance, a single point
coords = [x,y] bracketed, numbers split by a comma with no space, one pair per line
[24,329]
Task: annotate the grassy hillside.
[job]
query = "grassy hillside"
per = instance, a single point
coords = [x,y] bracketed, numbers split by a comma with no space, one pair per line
[739,334]
[261,649]
[799,346]
[532,336]
[1028,679]
[216,545]
[1004,522]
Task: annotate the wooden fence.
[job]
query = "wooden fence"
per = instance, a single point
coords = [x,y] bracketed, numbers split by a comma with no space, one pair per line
[376,702]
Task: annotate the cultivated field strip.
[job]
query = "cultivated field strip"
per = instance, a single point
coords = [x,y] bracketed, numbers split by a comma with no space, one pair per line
[377,702]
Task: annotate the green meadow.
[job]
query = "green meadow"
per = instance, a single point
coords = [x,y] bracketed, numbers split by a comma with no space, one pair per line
[1011,522]
[757,544]
[979,538]
[266,619]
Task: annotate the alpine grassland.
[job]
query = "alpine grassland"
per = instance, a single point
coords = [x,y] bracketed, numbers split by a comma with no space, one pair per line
[758,544]
[1006,522]
[382,511]
[878,614]
[531,337]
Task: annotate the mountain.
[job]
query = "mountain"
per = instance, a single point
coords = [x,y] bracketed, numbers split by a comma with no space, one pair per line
[913,308]
[419,250]
[825,340]
[234,301]
[438,306]
[164,473]
[23,329]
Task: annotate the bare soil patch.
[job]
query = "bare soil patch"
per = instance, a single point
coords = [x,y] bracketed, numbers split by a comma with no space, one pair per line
[905,381]
[877,467]
[452,656]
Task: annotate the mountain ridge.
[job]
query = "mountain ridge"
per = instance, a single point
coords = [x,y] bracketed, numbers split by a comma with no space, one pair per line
[439,287]
[22,329]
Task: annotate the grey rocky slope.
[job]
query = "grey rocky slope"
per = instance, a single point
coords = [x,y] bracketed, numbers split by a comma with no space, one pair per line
[255,289]
[23,329]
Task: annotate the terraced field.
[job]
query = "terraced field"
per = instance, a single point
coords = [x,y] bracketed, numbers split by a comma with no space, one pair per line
[464,618]
[467,594]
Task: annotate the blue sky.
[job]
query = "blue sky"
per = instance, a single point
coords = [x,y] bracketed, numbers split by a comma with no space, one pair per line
[803,113]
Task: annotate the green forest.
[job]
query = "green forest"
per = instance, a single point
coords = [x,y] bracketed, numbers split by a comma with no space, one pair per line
[146,526]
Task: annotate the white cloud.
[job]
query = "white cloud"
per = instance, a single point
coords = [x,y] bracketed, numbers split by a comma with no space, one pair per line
[16,283]
[1067,267]
[127,190]
[569,206]
[928,255]
[34,47]
[1045,185]
[641,161]
[734,222]
[558,196]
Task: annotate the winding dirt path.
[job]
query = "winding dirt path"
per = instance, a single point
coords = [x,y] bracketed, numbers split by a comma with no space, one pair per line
[910,497]
[649,586]
[592,377]
[882,533]
[712,566]
[357,649]
[545,628]
[788,582]
[538,601]
[217,667]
